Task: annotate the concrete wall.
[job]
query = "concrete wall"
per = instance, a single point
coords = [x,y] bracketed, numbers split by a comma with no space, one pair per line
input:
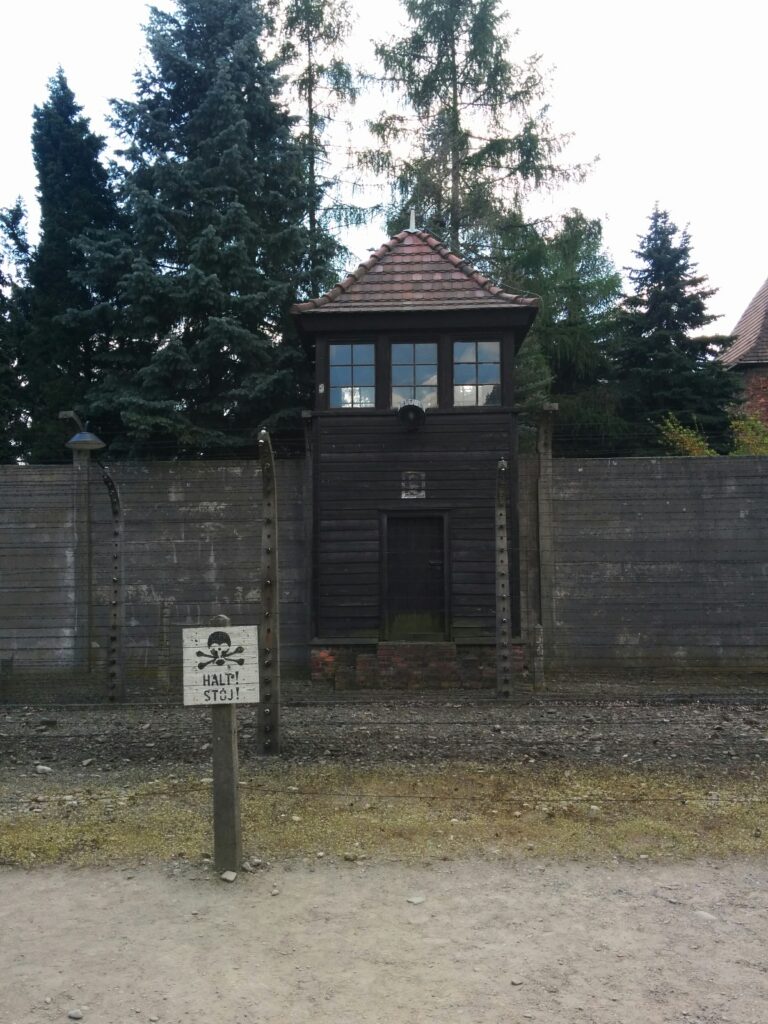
[185,546]
[631,563]
[656,562]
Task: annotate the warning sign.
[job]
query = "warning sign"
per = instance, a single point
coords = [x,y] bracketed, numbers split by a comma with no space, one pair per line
[221,666]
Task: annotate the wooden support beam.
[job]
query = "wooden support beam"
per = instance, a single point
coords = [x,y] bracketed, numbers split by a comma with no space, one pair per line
[227,832]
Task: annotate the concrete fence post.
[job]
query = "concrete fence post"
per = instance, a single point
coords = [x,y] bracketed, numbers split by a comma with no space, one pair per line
[545,628]
[81,523]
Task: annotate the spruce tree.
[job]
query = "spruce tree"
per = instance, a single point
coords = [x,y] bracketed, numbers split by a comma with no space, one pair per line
[476,131]
[216,248]
[58,353]
[663,365]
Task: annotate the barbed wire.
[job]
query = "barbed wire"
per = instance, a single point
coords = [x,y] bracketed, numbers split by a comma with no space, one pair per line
[547,799]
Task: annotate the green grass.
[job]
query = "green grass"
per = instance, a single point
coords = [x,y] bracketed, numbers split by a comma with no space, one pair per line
[412,814]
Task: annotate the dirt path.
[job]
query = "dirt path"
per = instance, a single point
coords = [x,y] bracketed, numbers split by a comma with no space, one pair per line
[492,943]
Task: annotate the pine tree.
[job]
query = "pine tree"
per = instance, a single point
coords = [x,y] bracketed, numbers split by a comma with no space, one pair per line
[324,81]
[9,384]
[57,353]
[60,357]
[14,319]
[663,366]
[216,247]
[476,133]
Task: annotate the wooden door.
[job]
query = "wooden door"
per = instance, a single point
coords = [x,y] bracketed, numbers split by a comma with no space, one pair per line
[415,578]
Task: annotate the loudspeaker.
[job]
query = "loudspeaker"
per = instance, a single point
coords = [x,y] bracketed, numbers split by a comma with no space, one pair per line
[411,415]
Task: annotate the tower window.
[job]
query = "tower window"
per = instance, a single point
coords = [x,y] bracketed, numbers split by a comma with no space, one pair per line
[476,373]
[352,376]
[414,373]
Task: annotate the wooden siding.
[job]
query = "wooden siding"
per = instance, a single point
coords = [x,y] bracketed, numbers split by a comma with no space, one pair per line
[359,462]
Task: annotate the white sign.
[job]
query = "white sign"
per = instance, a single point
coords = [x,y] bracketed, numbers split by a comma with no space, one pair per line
[221,665]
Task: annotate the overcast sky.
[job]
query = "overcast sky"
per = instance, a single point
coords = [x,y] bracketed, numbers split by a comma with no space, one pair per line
[670,96]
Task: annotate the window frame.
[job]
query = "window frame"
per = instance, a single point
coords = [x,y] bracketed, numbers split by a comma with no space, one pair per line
[351,366]
[477,363]
[391,364]
[383,341]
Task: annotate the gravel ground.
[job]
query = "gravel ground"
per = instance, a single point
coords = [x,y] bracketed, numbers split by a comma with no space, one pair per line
[717,731]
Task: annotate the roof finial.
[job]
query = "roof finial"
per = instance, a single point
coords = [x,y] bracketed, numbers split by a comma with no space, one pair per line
[412,225]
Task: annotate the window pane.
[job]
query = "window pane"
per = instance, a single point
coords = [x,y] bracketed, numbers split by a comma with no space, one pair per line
[426,375]
[488,373]
[425,353]
[402,353]
[465,373]
[488,394]
[341,398]
[464,352]
[400,395]
[488,351]
[363,375]
[465,395]
[402,375]
[428,396]
[364,396]
[341,375]
[341,354]
[362,355]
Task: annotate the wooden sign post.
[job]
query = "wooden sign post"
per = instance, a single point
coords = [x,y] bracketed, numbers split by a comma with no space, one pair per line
[229,665]
[221,669]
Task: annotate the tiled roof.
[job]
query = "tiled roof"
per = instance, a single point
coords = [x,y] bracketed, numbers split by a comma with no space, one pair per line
[413,271]
[751,345]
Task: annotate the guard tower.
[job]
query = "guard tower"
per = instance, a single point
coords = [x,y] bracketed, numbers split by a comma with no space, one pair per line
[414,408]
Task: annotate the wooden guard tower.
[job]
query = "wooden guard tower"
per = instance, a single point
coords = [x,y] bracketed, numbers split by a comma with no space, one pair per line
[414,409]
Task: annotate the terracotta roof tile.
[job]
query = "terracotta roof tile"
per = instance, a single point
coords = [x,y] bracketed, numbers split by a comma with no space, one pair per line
[413,270]
[751,345]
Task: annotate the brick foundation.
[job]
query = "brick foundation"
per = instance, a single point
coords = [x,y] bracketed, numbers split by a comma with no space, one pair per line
[405,666]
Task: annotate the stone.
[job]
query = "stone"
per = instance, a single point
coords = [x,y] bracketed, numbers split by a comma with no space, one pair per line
[416,900]
[705,915]
[43,769]
[228,876]
[247,866]
[275,892]
[75,1014]
[86,762]
[516,981]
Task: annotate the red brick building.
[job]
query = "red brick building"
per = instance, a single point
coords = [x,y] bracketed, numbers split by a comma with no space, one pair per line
[749,354]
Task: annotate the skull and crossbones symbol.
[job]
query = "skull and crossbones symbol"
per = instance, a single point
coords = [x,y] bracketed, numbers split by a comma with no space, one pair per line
[220,651]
